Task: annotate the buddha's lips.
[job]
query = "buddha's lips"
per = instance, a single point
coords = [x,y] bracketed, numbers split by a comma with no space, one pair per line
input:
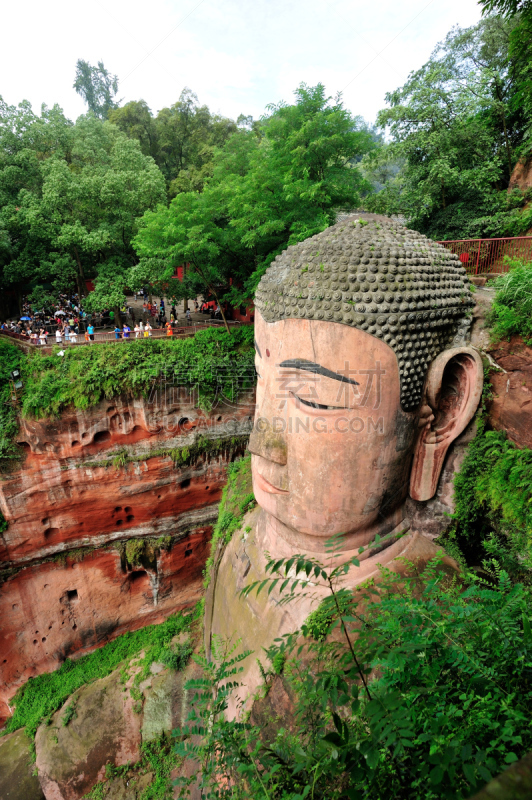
[263,484]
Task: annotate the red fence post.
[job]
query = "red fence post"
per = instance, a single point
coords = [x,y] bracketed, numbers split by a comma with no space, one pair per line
[478,257]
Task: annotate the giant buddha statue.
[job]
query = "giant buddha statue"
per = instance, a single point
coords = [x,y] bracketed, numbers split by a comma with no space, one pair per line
[365,378]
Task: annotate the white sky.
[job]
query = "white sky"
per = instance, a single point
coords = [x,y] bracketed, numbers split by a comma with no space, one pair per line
[236,55]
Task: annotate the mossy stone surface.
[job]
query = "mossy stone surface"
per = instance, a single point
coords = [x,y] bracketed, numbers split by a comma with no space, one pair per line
[17,781]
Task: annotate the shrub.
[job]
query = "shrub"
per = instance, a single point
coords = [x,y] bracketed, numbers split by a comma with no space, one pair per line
[511,312]
[426,695]
[493,494]
[177,656]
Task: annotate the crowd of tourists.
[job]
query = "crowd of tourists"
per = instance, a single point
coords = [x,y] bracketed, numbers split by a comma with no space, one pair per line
[67,322]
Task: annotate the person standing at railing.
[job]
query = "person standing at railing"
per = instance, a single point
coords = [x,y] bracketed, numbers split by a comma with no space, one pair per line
[137,330]
[90,331]
[126,330]
[169,331]
[147,330]
[117,332]
[58,337]
[188,316]
[67,334]
[73,337]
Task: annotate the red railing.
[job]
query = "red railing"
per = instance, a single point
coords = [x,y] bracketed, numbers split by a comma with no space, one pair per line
[480,256]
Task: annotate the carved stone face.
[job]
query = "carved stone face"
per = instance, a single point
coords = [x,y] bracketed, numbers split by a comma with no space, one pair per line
[332,449]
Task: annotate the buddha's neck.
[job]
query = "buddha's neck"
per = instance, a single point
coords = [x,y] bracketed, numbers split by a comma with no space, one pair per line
[283,541]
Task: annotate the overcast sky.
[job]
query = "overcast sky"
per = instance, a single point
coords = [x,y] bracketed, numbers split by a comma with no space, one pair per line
[236,55]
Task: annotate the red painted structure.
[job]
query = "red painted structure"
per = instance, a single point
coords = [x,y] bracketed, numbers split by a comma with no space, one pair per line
[481,256]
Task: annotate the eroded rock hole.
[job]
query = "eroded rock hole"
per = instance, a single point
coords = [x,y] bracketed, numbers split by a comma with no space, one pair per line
[130,518]
[137,575]
[185,484]
[71,595]
[101,436]
[188,552]
[50,533]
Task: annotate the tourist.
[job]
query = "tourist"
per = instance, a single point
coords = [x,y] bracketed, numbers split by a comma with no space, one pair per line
[67,334]
[117,332]
[90,331]
[73,336]
[148,329]
[126,330]
[188,316]
[42,336]
[141,328]
[169,331]
[137,330]
[58,337]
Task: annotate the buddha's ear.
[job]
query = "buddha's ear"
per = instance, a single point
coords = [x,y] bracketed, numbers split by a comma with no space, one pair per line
[451,396]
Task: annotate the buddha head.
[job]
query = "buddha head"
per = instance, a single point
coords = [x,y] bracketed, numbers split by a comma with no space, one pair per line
[364,379]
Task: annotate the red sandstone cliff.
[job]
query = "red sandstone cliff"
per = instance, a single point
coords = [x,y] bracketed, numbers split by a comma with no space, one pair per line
[68,581]
[511,403]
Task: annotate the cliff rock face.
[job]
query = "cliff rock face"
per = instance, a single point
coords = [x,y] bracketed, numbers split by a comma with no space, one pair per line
[511,403]
[521,177]
[109,518]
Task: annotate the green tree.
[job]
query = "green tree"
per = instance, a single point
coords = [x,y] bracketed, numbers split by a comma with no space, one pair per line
[27,140]
[97,87]
[457,131]
[136,121]
[71,198]
[271,186]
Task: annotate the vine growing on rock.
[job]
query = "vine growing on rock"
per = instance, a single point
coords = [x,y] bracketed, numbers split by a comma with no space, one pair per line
[237,499]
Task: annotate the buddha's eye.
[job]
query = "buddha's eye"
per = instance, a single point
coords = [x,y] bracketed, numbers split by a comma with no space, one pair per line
[316,405]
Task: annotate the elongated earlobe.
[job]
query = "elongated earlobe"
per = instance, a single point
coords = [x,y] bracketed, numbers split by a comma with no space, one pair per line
[452,393]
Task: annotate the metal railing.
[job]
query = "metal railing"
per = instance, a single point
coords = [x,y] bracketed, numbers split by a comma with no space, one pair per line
[481,256]
[99,337]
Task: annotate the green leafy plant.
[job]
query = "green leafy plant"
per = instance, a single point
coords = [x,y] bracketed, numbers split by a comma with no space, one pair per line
[511,312]
[420,690]
[177,656]
[493,494]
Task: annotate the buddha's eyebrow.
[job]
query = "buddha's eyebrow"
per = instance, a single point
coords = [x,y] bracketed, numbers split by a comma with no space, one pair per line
[310,366]
[257,348]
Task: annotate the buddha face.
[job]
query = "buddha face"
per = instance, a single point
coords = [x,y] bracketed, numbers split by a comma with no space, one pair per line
[332,449]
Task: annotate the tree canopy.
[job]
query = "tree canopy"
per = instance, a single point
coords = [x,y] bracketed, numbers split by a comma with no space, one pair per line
[457,132]
[70,199]
[272,184]
[97,87]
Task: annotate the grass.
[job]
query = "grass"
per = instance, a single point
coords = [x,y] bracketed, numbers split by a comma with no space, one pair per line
[40,697]
[213,361]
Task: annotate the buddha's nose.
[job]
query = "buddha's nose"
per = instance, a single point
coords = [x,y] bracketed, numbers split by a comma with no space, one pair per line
[267,443]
